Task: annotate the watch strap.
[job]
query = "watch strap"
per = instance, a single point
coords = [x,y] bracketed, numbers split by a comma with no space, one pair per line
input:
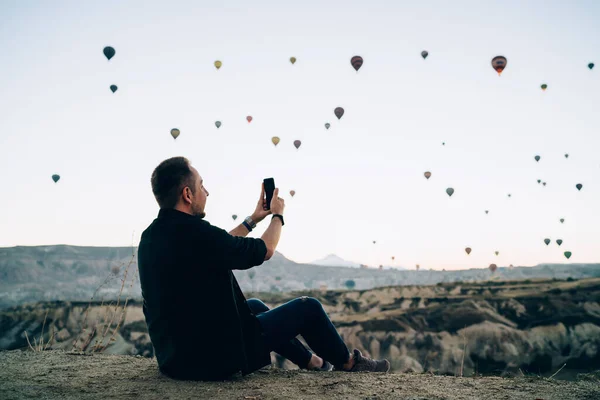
[280,217]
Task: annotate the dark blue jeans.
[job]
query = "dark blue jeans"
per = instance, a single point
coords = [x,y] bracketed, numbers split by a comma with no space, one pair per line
[302,316]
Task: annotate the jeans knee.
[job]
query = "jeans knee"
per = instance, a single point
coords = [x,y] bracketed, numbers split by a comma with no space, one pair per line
[257,306]
[312,303]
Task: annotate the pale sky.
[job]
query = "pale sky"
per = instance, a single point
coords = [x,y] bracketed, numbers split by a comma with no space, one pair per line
[360,181]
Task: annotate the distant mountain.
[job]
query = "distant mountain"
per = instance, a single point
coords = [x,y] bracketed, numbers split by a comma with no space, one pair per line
[335,261]
[72,273]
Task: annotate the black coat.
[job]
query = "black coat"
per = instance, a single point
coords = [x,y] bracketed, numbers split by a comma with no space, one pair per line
[199,323]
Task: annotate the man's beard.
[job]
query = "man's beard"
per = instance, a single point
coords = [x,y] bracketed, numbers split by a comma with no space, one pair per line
[197,212]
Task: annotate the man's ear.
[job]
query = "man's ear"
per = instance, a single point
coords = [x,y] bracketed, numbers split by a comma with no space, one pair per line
[187,194]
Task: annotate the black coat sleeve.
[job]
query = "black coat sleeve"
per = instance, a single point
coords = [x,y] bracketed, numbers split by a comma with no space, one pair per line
[233,252]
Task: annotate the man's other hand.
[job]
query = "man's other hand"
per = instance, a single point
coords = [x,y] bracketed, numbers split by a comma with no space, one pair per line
[261,207]
[277,203]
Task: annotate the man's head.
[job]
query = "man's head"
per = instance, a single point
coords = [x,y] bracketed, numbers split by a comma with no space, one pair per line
[176,184]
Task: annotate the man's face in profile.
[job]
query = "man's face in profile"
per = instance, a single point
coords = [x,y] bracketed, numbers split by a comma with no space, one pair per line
[200,195]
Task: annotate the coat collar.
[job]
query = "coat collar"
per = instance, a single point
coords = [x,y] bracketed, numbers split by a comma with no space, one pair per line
[173,213]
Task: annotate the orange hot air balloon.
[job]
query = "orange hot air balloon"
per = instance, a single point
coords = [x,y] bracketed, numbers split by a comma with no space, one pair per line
[292,193]
[249,118]
[427,174]
[275,140]
[499,63]
[297,144]
[493,268]
[468,250]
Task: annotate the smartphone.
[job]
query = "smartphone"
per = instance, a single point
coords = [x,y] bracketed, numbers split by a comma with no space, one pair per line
[269,189]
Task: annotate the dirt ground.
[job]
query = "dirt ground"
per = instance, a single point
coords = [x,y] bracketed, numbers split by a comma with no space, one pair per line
[61,375]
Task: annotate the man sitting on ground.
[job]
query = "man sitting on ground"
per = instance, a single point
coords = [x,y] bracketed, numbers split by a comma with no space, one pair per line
[200,324]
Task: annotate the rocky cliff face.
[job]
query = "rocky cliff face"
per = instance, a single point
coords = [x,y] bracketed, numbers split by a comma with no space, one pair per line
[494,327]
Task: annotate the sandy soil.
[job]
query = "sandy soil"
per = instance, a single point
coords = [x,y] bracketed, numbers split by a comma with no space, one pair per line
[62,375]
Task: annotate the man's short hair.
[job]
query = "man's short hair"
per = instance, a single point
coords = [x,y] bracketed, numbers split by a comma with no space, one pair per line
[169,179]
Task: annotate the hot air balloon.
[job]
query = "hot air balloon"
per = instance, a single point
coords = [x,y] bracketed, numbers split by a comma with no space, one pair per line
[499,63]
[468,250]
[55,178]
[544,86]
[292,193]
[568,254]
[566,156]
[579,186]
[109,52]
[357,62]
[547,241]
[427,174]
[450,191]
[509,195]
[218,124]
[297,144]
[113,88]
[591,65]
[175,132]
[443,143]
[417,267]
[544,183]
[275,140]
[559,241]
[374,241]
[537,158]
[293,60]
[510,266]
[249,118]
[424,54]
[562,220]
[393,258]
[327,125]
[539,181]
[493,268]
[487,211]
[339,112]
[218,64]
[234,216]
[497,252]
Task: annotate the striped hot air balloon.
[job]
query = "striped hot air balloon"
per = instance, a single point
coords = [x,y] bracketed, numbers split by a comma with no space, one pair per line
[357,62]
[499,63]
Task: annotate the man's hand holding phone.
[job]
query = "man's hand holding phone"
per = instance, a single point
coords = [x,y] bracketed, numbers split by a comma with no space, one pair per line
[277,203]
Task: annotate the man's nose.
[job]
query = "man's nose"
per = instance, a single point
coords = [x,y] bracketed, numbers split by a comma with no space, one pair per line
[206,191]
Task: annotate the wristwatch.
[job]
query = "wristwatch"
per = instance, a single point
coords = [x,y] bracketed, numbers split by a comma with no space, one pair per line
[249,224]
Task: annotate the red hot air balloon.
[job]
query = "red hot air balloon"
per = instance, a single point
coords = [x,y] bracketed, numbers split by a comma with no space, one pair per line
[249,118]
[339,112]
[357,62]
[297,144]
[499,63]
